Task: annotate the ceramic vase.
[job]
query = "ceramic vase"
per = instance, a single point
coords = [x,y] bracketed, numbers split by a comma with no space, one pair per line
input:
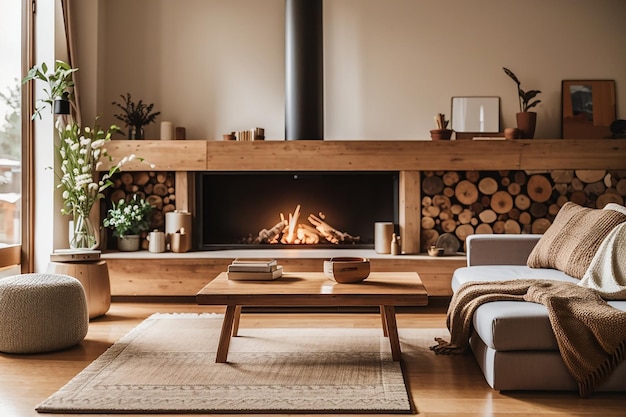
[526,122]
[135,133]
[128,243]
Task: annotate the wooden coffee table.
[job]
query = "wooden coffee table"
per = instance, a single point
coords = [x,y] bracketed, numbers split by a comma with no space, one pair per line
[384,289]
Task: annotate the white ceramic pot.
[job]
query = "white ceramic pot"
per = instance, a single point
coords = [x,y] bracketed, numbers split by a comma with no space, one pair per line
[157,241]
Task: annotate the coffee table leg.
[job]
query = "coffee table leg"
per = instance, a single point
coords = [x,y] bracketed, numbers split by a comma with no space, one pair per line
[392,330]
[384,320]
[227,331]
[236,321]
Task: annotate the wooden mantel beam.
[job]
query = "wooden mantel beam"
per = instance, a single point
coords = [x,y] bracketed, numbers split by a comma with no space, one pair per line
[349,155]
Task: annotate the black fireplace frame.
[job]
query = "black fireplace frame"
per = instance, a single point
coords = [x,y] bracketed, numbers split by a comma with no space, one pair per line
[201,244]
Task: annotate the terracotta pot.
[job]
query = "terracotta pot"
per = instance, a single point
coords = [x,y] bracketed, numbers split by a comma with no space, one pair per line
[512,133]
[440,134]
[526,122]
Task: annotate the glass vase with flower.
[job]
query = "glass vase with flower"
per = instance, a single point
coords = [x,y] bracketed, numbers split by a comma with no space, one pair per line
[80,151]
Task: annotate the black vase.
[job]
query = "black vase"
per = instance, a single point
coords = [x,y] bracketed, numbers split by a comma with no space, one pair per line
[135,133]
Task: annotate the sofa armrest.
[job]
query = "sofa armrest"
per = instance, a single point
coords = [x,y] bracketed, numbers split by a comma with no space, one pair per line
[499,249]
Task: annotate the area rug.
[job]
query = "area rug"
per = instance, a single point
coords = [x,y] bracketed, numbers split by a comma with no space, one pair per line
[167,365]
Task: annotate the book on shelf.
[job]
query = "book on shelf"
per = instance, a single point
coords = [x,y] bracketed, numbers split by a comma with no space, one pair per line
[253,265]
[256,276]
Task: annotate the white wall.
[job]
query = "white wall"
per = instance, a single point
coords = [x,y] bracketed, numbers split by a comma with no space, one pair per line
[390,65]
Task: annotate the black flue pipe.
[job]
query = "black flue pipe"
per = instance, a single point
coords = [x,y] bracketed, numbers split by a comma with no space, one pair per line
[304,58]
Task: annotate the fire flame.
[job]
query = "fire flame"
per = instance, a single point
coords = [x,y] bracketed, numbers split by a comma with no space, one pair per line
[289,231]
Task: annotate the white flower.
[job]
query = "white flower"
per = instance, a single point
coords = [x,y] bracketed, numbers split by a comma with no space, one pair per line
[97,144]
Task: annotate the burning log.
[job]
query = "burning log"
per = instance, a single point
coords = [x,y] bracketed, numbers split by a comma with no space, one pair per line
[293,222]
[289,231]
[307,235]
[330,233]
[267,236]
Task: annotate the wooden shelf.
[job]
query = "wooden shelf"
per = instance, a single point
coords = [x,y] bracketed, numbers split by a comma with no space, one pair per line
[351,155]
[185,275]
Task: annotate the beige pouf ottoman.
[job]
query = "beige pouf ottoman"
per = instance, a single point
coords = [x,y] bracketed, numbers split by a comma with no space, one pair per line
[41,313]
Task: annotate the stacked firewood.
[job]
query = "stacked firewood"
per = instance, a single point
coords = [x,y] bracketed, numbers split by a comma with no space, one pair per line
[157,188]
[459,204]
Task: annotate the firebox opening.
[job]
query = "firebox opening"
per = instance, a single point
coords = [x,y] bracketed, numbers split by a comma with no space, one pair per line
[234,208]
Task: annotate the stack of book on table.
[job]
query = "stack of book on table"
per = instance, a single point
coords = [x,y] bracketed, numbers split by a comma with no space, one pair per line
[254,269]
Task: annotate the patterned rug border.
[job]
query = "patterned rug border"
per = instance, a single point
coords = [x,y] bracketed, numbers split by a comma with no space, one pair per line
[118,348]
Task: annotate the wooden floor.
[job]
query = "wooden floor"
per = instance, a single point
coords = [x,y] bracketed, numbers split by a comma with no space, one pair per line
[441,386]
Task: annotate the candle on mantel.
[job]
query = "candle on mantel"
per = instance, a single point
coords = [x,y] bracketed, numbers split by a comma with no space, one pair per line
[167,131]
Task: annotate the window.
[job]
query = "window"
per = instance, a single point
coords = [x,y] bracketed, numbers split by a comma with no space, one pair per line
[11,50]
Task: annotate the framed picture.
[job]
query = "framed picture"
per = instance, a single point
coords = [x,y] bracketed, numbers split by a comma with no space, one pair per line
[588,108]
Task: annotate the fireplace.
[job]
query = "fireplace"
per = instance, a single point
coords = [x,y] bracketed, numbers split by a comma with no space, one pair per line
[259,209]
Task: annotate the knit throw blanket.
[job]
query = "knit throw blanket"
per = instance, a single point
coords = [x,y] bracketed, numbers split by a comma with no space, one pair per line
[607,272]
[591,335]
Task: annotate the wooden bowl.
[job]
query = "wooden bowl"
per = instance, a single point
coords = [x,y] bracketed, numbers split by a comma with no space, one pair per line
[435,251]
[347,270]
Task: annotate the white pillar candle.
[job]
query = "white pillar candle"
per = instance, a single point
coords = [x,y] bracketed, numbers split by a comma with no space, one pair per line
[167,131]
[383,231]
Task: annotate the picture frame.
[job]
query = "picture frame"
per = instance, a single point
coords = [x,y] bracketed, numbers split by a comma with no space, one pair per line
[588,107]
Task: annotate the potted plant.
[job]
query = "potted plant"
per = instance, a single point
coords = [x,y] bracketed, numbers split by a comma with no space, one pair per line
[526,120]
[127,219]
[60,90]
[135,115]
[442,132]
[81,150]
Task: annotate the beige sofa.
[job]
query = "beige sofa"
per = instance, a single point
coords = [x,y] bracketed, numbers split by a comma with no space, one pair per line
[513,341]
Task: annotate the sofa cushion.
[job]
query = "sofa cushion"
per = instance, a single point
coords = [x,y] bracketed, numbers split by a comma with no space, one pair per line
[514,325]
[504,273]
[572,240]
[518,325]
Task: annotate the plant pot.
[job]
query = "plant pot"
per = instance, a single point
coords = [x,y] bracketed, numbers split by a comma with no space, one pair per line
[440,134]
[129,243]
[526,122]
[512,133]
[61,106]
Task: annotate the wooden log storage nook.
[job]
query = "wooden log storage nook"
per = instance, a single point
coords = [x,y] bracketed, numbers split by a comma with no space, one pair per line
[184,274]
